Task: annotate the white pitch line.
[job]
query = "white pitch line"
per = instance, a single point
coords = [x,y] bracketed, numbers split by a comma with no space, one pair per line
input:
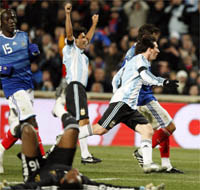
[137,179]
[105,179]
[126,179]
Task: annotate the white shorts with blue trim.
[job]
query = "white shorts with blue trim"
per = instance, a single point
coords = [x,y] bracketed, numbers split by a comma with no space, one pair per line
[155,114]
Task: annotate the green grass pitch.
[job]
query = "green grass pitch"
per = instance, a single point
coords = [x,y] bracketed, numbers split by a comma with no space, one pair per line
[120,168]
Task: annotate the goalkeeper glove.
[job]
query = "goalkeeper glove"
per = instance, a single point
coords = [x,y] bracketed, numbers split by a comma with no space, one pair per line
[171,84]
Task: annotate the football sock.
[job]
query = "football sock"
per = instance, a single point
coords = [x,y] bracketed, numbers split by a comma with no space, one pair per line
[164,148]
[159,136]
[84,148]
[40,145]
[8,140]
[165,162]
[165,153]
[146,148]
[85,131]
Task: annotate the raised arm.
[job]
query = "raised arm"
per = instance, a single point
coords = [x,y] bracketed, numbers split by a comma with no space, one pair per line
[92,29]
[68,23]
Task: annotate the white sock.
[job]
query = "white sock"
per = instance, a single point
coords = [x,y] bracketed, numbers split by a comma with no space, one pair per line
[85,131]
[2,149]
[146,148]
[165,162]
[59,108]
[84,148]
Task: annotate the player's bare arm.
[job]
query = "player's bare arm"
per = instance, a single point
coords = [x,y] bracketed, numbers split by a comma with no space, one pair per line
[90,33]
[68,23]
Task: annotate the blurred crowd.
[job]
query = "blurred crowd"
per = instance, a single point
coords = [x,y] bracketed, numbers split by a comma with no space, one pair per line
[116,32]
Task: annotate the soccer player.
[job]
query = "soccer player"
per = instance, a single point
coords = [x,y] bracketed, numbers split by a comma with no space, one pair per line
[56,170]
[148,105]
[76,63]
[123,104]
[16,78]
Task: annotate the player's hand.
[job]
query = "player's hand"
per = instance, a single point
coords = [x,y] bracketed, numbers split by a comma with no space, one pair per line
[33,49]
[95,19]
[68,8]
[171,84]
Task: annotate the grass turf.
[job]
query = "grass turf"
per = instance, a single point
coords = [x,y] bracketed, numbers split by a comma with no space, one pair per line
[120,168]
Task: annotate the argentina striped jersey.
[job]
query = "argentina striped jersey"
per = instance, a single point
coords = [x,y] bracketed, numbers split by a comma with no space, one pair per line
[76,63]
[128,81]
[14,52]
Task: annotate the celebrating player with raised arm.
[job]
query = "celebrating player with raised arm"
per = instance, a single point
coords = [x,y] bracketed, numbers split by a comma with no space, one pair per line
[16,79]
[123,104]
[76,63]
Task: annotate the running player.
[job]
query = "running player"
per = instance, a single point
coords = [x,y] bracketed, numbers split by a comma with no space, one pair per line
[123,105]
[149,106]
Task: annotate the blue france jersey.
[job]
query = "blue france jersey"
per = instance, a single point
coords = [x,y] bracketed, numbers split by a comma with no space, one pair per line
[14,52]
[146,93]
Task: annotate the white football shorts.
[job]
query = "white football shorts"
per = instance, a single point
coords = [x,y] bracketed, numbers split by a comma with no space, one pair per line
[155,114]
[21,107]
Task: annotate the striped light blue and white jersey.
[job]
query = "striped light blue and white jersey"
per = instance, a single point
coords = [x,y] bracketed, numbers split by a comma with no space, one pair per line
[14,52]
[128,81]
[76,63]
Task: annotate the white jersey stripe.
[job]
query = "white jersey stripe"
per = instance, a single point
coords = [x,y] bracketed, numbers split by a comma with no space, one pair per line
[76,63]
[76,101]
[112,114]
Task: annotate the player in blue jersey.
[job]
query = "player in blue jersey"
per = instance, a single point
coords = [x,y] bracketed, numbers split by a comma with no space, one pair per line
[76,63]
[149,106]
[16,78]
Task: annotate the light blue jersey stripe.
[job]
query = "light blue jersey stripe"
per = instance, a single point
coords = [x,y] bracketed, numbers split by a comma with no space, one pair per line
[76,63]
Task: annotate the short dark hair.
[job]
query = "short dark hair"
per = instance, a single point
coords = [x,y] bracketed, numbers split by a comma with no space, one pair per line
[78,30]
[147,29]
[147,41]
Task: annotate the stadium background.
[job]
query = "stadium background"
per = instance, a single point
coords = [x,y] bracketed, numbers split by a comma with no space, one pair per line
[116,33]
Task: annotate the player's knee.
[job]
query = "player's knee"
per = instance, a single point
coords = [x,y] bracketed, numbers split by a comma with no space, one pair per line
[84,122]
[149,130]
[27,130]
[145,130]
[171,127]
[32,121]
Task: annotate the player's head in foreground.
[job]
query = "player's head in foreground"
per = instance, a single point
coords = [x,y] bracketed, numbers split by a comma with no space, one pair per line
[8,22]
[147,46]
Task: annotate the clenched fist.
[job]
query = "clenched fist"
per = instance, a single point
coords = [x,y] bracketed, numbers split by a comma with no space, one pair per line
[68,7]
[95,19]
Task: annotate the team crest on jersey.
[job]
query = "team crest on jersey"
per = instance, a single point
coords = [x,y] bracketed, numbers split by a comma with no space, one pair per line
[111,125]
[82,111]
[23,44]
